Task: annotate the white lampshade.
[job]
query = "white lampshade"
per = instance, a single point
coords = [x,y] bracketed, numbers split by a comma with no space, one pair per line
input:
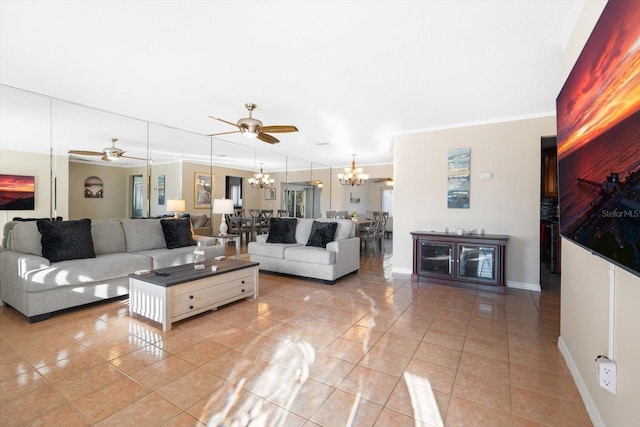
[175,206]
[222,206]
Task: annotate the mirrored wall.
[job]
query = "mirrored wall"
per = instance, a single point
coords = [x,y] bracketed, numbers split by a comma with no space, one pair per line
[155,163]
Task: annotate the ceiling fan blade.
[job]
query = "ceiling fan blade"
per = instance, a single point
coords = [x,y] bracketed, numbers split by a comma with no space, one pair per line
[267,138]
[135,158]
[224,121]
[224,133]
[279,129]
[86,153]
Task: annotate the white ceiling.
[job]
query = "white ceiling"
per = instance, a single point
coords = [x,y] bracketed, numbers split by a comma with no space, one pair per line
[347,73]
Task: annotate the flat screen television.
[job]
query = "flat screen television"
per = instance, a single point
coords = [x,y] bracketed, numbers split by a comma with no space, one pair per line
[17,193]
[598,119]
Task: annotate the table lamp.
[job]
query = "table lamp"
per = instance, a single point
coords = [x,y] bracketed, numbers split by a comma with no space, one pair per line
[175,206]
[223,206]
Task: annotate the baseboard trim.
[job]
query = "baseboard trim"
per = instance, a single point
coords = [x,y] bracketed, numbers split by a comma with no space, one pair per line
[523,285]
[589,404]
[401,270]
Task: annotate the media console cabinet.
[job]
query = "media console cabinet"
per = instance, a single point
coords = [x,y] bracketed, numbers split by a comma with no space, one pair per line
[469,260]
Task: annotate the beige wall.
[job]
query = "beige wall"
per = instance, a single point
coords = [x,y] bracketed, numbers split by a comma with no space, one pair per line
[112,205]
[507,204]
[585,326]
[38,165]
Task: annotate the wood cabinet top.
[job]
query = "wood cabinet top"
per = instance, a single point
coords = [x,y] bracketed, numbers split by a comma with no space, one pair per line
[457,237]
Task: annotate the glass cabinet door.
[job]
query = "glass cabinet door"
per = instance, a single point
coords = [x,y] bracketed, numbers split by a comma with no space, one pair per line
[436,258]
[477,262]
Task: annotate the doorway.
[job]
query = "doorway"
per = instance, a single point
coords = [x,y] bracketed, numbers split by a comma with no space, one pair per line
[137,196]
[549,215]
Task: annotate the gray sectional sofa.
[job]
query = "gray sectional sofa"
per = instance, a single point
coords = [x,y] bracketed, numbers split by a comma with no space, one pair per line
[36,287]
[339,258]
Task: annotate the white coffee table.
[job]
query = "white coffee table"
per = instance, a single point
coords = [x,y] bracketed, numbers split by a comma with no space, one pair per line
[176,293]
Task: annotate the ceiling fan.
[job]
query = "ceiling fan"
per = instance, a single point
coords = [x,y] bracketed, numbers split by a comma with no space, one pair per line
[108,154]
[253,128]
[388,181]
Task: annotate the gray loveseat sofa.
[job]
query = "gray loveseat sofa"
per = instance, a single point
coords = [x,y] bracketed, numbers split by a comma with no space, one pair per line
[36,287]
[340,257]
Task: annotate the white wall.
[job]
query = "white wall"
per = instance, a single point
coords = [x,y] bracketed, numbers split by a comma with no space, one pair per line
[507,204]
[584,325]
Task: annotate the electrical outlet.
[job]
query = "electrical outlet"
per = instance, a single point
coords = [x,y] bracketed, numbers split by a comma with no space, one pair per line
[607,374]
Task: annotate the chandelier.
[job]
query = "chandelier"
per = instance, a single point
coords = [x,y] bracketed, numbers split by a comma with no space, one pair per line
[353,176]
[261,180]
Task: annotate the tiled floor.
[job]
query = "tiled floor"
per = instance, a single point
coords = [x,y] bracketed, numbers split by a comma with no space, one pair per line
[373,349]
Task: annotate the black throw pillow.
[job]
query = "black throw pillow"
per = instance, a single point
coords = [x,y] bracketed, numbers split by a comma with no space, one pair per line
[282,230]
[177,233]
[63,240]
[322,233]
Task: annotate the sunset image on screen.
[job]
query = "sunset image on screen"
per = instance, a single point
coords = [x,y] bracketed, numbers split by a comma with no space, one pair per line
[604,87]
[17,192]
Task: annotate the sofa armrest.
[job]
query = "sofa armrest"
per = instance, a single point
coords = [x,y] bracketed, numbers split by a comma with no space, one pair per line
[16,264]
[262,238]
[347,250]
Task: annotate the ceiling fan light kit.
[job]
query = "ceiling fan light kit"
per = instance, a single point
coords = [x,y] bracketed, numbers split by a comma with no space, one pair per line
[353,176]
[108,154]
[251,127]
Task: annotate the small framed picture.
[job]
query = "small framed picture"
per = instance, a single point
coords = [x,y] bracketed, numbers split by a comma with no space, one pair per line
[202,187]
[270,194]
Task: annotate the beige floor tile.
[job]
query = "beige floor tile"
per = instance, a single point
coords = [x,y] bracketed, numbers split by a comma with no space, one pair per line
[463,412]
[20,385]
[535,359]
[199,384]
[139,359]
[558,385]
[486,348]
[108,400]
[179,340]
[385,361]
[397,343]
[329,370]
[483,366]
[438,354]
[203,352]
[390,418]
[120,347]
[300,396]
[445,339]
[349,351]
[482,390]
[440,377]
[65,415]
[546,409]
[342,408]
[414,397]
[230,365]
[369,384]
[184,420]
[30,406]
[152,410]
[362,334]
[163,372]
[90,380]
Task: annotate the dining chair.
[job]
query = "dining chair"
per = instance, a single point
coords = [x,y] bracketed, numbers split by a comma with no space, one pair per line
[282,213]
[342,214]
[331,214]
